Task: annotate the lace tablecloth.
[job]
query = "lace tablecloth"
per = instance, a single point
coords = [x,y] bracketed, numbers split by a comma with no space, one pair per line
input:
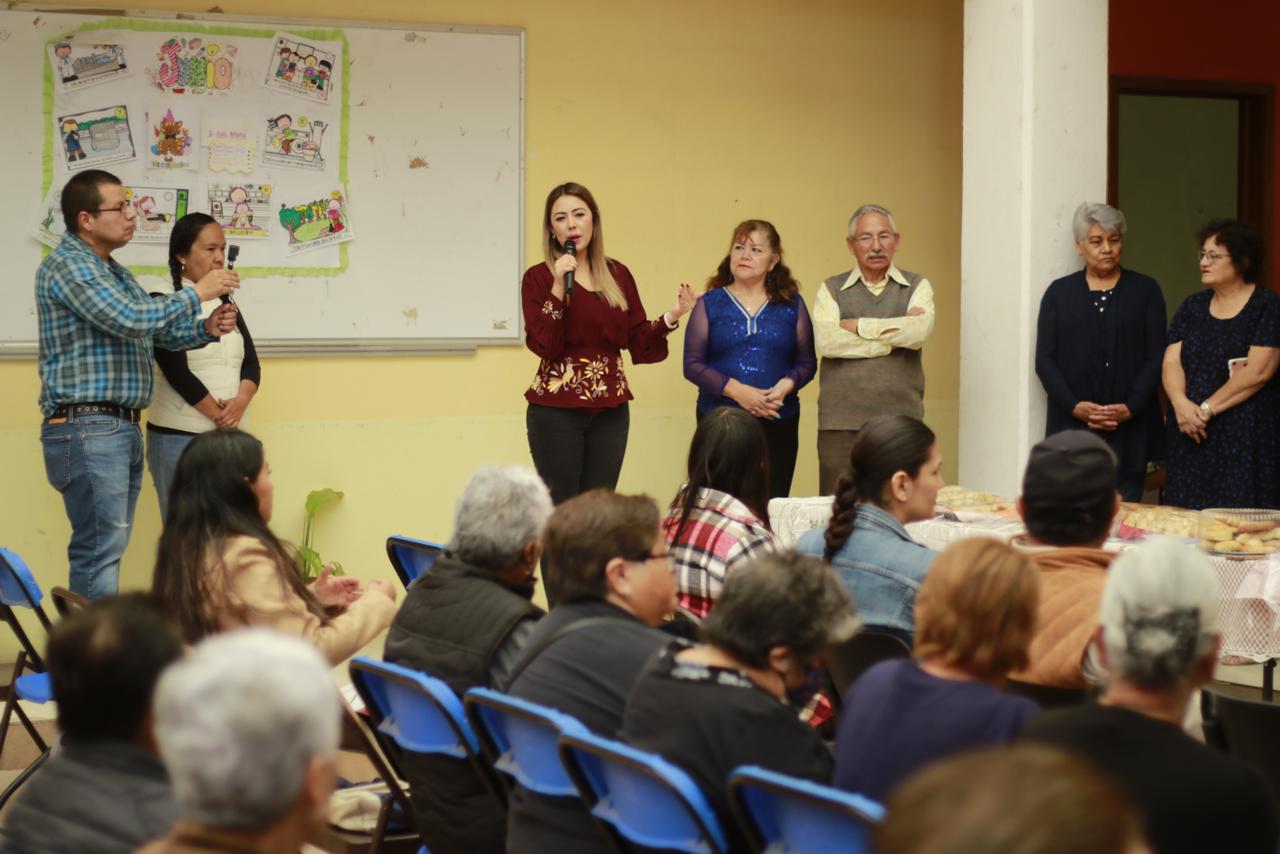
[1250,589]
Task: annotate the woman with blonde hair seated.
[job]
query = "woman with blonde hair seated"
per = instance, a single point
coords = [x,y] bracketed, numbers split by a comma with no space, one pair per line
[975,614]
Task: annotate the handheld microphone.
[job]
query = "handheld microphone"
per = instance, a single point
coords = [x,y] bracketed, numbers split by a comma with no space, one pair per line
[572,249]
[233,252]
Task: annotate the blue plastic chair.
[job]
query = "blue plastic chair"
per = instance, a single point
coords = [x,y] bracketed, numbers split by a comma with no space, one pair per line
[18,589]
[639,798]
[519,738]
[781,813]
[410,558]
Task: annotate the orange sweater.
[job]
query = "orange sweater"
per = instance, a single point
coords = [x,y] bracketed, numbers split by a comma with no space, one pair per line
[1071,581]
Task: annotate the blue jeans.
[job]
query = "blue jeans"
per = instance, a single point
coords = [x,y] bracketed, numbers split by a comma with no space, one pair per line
[95,462]
[163,450]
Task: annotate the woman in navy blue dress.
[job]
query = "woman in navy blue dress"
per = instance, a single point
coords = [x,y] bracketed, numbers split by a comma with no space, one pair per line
[750,344]
[1224,346]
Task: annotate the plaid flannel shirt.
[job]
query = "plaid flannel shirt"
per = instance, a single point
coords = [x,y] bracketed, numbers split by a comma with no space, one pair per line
[97,326]
[720,533]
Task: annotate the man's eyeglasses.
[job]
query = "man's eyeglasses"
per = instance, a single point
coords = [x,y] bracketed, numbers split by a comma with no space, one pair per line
[120,208]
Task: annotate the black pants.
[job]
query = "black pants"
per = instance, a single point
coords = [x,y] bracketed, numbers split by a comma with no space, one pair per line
[575,450]
[783,439]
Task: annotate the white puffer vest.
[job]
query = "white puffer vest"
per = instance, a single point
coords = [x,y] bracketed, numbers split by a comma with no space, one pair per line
[217,365]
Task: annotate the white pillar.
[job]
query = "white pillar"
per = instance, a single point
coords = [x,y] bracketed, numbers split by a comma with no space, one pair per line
[1035,147]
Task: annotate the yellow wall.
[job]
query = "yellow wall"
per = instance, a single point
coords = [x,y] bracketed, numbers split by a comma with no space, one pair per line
[684,117]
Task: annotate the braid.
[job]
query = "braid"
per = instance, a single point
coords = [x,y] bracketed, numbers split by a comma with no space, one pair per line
[844,510]
[175,272]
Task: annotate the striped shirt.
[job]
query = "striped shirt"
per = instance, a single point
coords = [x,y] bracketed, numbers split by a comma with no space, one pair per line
[97,326]
[720,533]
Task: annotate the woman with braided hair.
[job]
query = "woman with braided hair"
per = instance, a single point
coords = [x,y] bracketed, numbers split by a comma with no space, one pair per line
[894,476]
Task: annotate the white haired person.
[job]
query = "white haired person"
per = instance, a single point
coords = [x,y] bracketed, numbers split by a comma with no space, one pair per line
[467,622]
[1099,347]
[248,727]
[1158,635]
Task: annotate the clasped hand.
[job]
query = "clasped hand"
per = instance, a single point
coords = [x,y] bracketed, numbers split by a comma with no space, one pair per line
[1192,422]
[765,403]
[1099,417]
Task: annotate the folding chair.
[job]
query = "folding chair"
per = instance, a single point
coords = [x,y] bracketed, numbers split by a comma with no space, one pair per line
[781,813]
[639,799]
[519,738]
[18,589]
[416,713]
[1245,727]
[410,558]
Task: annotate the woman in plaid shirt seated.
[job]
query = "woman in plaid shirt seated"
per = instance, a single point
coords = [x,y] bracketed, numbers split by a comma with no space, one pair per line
[719,518]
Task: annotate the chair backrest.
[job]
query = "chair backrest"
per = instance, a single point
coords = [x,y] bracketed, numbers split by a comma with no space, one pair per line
[781,813]
[1247,728]
[411,558]
[1047,696]
[18,587]
[849,660]
[520,738]
[641,799]
[418,712]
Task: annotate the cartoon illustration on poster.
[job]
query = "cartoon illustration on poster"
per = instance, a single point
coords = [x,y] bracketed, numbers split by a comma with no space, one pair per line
[294,141]
[300,68]
[195,65]
[322,220]
[51,227]
[95,138]
[78,66]
[173,135]
[243,210]
[230,149]
[157,209]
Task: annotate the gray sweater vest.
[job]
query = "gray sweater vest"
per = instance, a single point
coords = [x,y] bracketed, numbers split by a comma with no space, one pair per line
[853,391]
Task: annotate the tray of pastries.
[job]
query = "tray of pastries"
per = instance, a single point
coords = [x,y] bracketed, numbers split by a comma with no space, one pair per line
[1139,519]
[961,500]
[1239,533]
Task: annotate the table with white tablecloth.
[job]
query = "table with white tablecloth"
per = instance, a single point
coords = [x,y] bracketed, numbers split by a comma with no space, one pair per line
[1250,589]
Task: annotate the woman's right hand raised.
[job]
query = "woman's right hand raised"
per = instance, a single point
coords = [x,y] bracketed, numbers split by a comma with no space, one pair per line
[563,265]
[382,587]
[216,283]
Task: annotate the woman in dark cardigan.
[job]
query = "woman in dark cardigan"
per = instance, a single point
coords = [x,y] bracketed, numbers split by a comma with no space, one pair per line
[1099,345]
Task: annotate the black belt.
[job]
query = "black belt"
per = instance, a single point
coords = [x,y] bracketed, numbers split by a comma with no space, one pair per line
[73,410]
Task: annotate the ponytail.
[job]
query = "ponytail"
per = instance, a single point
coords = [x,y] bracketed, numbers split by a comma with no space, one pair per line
[844,511]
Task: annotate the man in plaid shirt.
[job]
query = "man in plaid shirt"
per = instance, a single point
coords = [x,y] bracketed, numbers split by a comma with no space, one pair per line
[97,328]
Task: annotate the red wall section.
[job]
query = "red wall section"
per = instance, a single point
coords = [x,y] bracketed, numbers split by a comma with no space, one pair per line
[1237,40]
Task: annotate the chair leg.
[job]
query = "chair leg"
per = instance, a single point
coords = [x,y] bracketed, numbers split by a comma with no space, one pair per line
[22,778]
[41,745]
[11,702]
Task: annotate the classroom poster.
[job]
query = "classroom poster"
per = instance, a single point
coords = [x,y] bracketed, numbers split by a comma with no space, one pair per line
[229,149]
[299,67]
[51,228]
[242,209]
[78,66]
[95,138]
[174,127]
[157,209]
[316,220]
[195,65]
[294,141]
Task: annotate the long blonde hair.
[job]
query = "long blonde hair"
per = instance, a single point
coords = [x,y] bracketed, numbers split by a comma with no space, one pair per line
[596,261]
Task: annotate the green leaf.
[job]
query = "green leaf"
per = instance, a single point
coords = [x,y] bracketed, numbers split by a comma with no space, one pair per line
[321,498]
[309,563]
[337,568]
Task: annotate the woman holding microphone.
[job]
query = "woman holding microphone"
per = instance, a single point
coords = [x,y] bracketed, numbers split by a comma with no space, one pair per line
[581,309]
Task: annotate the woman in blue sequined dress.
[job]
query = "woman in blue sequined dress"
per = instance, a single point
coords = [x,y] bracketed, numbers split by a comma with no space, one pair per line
[750,343]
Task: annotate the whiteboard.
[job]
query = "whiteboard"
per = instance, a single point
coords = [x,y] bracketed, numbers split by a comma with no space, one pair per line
[425,144]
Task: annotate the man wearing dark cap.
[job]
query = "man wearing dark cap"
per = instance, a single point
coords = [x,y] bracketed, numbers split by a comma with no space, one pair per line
[1068,503]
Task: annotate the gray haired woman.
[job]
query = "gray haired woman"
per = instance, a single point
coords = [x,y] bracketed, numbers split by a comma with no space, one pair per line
[1099,345]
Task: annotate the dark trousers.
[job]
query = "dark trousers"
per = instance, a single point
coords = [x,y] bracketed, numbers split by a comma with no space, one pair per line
[783,439]
[1131,487]
[575,450]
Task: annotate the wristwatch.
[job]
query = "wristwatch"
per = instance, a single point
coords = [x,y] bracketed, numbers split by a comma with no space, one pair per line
[1206,409]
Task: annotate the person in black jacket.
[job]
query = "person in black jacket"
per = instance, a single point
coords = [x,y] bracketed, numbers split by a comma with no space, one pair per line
[466,622]
[1099,346]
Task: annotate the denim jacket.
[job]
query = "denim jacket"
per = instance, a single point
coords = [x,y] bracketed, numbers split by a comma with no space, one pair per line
[881,566]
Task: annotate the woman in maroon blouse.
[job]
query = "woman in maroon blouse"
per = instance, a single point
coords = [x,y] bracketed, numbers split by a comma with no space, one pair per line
[578,417]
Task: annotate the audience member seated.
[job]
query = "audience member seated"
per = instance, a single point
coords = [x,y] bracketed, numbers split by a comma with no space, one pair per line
[719,518]
[714,707]
[1025,799]
[220,567]
[974,617]
[1068,503]
[1158,637]
[609,572]
[248,726]
[105,789]
[466,622]
[894,478]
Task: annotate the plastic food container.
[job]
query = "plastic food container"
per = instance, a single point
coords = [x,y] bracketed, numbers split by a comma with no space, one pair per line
[1239,533]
